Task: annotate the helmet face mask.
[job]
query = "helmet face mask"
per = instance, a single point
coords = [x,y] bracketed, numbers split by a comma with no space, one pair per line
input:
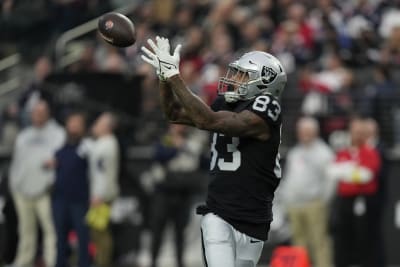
[234,85]
[253,74]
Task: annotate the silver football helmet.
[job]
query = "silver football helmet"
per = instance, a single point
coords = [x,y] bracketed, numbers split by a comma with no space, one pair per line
[253,74]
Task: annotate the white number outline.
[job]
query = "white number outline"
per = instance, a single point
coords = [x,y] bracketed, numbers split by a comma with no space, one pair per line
[236,156]
[231,148]
[277,168]
[261,104]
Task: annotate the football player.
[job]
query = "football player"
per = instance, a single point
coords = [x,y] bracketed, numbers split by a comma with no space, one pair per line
[245,122]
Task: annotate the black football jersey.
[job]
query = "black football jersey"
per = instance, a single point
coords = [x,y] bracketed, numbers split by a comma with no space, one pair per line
[245,171]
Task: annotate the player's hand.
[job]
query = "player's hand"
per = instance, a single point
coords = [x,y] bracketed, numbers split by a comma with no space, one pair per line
[160,58]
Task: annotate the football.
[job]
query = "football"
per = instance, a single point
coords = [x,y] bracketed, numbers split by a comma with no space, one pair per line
[116,29]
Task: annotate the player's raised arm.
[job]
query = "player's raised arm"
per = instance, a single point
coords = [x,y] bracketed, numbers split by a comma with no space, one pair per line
[254,75]
[182,106]
[171,107]
[245,123]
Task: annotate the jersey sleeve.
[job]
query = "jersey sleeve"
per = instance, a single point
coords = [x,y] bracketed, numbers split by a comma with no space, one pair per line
[268,108]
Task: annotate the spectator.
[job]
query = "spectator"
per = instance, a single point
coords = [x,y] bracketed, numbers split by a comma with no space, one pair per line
[357,167]
[306,191]
[390,31]
[365,44]
[9,238]
[294,37]
[221,43]
[35,91]
[331,79]
[8,134]
[380,100]
[104,187]
[323,15]
[251,31]
[297,12]
[380,199]
[30,182]
[9,130]
[71,191]
[177,159]
[328,94]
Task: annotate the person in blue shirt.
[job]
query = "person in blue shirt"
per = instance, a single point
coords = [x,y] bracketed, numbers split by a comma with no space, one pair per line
[71,191]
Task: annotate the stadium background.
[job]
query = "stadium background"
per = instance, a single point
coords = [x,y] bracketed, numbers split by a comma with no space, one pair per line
[53,44]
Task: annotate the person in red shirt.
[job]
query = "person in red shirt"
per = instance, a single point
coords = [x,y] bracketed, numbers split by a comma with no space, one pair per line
[356,167]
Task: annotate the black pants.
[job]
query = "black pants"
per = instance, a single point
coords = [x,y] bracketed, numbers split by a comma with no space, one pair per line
[356,236]
[169,207]
[9,236]
[68,216]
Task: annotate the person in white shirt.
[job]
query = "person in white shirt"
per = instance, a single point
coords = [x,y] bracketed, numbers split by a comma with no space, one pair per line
[104,186]
[30,181]
[306,189]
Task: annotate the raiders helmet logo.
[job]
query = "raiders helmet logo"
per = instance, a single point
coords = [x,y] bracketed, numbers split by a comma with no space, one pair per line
[268,75]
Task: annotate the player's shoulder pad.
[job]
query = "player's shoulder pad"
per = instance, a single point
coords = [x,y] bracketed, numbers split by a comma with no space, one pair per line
[267,107]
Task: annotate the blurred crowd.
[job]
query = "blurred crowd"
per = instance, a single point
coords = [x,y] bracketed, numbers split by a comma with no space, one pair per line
[342,57]
[334,200]
[342,100]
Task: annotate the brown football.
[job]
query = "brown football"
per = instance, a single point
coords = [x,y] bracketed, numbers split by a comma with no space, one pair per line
[116,29]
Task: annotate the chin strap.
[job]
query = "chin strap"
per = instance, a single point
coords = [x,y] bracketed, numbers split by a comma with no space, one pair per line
[231,97]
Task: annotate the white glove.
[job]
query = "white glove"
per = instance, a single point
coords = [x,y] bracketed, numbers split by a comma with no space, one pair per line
[166,65]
